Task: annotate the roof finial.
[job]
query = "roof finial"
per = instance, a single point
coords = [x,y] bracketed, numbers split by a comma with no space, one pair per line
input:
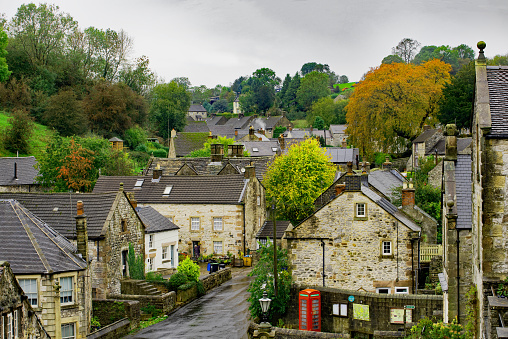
[481,46]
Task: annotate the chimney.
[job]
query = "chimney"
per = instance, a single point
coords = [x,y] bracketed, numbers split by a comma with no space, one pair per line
[15,171]
[240,115]
[235,150]
[365,175]
[282,142]
[408,194]
[353,182]
[157,173]
[426,127]
[217,152]
[451,142]
[81,232]
[290,128]
[210,135]
[236,132]
[339,188]
[251,130]
[133,201]
[250,172]
[387,164]
[344,143]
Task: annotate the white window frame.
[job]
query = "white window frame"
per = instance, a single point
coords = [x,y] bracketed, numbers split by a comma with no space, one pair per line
[9,326]
[378,290]
[29,292]
[357,210]
[195,224]
[218,224]
[70,325]
[150,240]
[150,264]
[216,245]
[401,290]
[255,149]
[274,149]
[164,252]
[70,298]
[383,249]
[139,183]
[167,190]
[15,324]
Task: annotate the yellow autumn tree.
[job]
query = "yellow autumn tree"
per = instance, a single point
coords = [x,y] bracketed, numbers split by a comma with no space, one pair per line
[390,106]
[297,178]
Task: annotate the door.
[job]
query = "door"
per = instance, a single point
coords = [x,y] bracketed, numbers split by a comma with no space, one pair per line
[124,263]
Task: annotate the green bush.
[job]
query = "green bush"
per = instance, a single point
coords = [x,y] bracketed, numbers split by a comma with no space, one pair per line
[201,288]
[426,329]
[136,264]
[152,276]
[190,269]
[177,280]
[160,153]
[134,137]
[141,148]
[187,286]
[151,309]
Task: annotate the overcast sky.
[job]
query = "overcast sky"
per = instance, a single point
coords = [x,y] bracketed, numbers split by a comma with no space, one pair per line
[216,41]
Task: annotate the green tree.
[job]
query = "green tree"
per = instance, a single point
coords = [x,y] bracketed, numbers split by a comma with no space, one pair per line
[138,77]
[313,87]
[136,264]
[278,131]
[343,79]
[289,99]
[168,108]
[297,178]
[314,67]
[4,69]
[17,134]
[263,281]
[64,112]
[319,123]
[119,164]
[390,59]
[134,137]
[330,111]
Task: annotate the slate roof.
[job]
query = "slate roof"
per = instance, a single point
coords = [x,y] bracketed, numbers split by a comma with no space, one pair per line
[115,139]
[26,171]
[154,221]
[241,123]
[266,122]
[264,148]
[59,209]
[216,120]
[266,230]
[31,246]
[497,79]
[338,129]
[188,142]
[196,189]
[341,155]
[462,144]
[197,108]
[306,133]
[386,181]
[425,135]
[463,190]
[196,127]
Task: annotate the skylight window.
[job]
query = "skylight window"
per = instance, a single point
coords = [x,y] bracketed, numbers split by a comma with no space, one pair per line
[167,191]
[255,149]
[274,149]
[139,183]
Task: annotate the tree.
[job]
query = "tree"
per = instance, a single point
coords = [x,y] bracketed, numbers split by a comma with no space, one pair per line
[289,99]
[220,106]
[17,135]
[391,105]
[138,77]
[343,79]
[406,49]
[456,104]
[64,112]
[169,106]
[297,178]
[183,81]
[314,66]
[134,137]
[75,168]
[330,111]
[313,86]
[319,123]
[390,59]
[4,69]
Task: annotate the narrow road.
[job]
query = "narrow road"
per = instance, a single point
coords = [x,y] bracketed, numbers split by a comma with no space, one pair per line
[222,313]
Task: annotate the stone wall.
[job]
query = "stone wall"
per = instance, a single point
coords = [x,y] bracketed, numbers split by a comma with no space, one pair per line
[113,331]
[379,310]
[216,279]
[427,223]
[165,302]
[286,333]
[436,175]
[255,212]
[352,247]
[109,311]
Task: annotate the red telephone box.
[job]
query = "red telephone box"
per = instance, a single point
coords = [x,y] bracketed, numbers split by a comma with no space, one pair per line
[310,310]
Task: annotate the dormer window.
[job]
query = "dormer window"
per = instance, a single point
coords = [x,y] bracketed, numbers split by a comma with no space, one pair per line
[139,183]
[274,149]
[167,190]
[255,149]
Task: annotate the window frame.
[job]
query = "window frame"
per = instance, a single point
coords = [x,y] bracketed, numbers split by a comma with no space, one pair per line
[383,253]
[21,282]
[215,223]
[150,240]
[150,263]
[357,208]
[164,252]
[8,328]
[401,288]
[389,290]
[215,243]
[71,325]
[198,223]
[62,298]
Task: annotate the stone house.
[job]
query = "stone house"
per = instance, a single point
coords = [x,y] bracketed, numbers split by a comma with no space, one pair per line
[112,224]
[52,272]
[161,239]
[17,317]
[423,145]
[215,213]
[339,135]
[266,232]
[197,112]
[19,175]
[357,240]
[269,123]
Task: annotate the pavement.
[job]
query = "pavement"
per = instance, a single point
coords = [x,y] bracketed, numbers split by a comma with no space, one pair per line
[222,313]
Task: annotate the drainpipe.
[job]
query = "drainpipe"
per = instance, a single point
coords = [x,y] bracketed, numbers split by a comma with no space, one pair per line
[323,244]
[412,264]
[397,223]
[244,229]
[458,275]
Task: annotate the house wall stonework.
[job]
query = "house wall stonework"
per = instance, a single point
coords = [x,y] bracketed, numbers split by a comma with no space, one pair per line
[353,257]
[255,212]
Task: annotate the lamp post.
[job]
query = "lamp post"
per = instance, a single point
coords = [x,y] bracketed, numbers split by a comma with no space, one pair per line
[264,330]
[265,305]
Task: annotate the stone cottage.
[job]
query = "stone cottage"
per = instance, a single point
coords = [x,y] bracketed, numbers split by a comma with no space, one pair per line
[17,317]
[18,174]
[215,213]
[112,224]
[357,240]
[52,272]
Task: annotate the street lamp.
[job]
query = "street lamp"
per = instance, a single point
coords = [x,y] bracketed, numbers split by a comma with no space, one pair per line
[265,305]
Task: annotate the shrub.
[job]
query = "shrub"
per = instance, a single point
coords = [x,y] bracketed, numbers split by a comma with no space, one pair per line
[187,286]
[151,309]
[141,148]
[177,280]
[152,276]
[134,137]
[136,264]
[190,269]
[201,288]
[426,329]
[160,153]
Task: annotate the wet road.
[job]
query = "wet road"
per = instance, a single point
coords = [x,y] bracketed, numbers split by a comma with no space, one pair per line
[222,313]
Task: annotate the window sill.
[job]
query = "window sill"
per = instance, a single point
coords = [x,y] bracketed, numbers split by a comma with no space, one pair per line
[361,218]
[68,306]
[386,256]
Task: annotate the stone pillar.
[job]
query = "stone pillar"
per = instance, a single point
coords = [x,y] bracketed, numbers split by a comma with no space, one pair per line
[451,143]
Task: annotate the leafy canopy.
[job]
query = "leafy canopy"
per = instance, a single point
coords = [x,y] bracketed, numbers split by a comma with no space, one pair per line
[297,178]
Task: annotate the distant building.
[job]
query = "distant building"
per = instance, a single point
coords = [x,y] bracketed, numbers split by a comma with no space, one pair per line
[197,112]
[19,175]
[116,143]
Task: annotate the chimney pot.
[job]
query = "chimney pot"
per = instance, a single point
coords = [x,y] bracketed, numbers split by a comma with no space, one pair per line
[250,172]
[236,132]
[79,207]
[408,195]
[81,231]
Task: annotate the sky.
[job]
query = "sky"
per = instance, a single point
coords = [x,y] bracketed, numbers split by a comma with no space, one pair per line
[216,41]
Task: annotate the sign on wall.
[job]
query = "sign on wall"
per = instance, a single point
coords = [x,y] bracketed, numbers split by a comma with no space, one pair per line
[397,315]
[361,312]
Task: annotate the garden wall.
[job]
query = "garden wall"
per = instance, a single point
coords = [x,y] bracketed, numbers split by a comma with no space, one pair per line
[109,311]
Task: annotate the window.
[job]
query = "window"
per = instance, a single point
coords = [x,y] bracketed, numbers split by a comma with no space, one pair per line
[340,309]
[194,224]
[164,252]
[401,290]
[167,190]
[124,225]
[139,183]
[383,290]
[68,331]
[217,247]
[15,324]
[150,241]
[274,149]
[9,325]
[255,149]
[66,290]
[259,200]
[29,286]
[262,241]
[386,248]
[217,224]
[360,210]
[150,264]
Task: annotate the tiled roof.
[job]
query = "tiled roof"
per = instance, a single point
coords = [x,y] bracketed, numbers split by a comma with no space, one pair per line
[241,123]
[196,127]
[462,144]
[217,120]
[31,246]
[342,155]
[266,122]
[196,189]
[25,171]
[463,190]
[266,230]
[338,129]
[261,148]
[425,135]
[115,139]
[59,209]
[197,108]
[497,79]
[154,221]
[385,181]
[188,142]
[307,133]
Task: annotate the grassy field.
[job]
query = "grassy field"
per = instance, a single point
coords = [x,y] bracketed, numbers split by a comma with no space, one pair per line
[300,123]
[38,141]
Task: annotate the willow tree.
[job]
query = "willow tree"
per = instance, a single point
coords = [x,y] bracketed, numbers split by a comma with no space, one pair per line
[390,106]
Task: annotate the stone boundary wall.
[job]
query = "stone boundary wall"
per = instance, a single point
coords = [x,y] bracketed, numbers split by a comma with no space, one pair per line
[165,302]
[379,310]
[216,279]
[113,331]
[109,311]
[283,333]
